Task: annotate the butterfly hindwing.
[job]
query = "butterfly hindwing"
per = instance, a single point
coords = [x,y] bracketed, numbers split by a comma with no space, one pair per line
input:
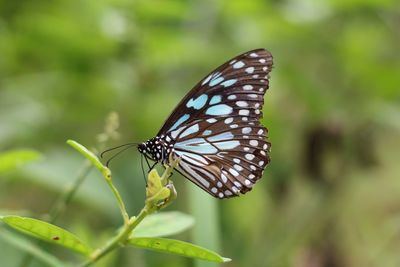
[216,130]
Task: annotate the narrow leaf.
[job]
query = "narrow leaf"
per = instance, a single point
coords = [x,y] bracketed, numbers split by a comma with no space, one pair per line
[176,247]
[163,224]
[11,160]
[30,248]
[47,232]
[92,157]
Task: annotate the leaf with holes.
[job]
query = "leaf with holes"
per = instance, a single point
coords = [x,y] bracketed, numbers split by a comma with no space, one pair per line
[176,247]
[163,224]
[47,232]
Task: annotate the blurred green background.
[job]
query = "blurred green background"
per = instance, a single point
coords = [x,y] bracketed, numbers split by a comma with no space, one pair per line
[331,194]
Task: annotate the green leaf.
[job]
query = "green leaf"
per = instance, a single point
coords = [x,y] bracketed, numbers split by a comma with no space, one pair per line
[92,157]
[176,247]
[47,232]
[11,160]
[163,224]
[30,248]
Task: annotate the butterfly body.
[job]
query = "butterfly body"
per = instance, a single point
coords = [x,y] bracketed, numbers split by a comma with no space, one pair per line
[216,129]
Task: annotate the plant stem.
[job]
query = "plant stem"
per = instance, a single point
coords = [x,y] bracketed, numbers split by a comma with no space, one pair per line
[130,224]
[67,196]
[121,204]
[118,240]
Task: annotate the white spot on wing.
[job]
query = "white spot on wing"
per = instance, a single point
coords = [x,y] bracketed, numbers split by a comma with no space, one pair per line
[228,193]
[242,104]
[246,130]
[228,120]
[206,80]
[253,142]
[247,182]
[238,167]
[233,172]
[224,178]
[244,112]
[249,156]
[249,70]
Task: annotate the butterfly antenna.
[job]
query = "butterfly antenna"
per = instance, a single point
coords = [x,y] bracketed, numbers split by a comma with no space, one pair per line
[119,152]
[113,148]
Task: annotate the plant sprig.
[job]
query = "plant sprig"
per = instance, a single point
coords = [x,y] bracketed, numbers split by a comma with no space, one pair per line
[160,192]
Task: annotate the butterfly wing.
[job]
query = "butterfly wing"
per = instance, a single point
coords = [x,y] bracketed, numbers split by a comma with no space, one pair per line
[216,131]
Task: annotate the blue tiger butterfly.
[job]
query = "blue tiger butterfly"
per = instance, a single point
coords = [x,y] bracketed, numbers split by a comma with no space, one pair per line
[216,129]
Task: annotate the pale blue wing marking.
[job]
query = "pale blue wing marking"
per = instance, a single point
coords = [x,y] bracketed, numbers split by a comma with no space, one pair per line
[200,148]
[193,175]
[197,103]
[227,144]
[221,137]
[179,122]
[216,81]
[193,141]
[207,132]
[215,99]
[238,65]
[229,82]
[221,109]
[190,130]
[246,130]
[192,158]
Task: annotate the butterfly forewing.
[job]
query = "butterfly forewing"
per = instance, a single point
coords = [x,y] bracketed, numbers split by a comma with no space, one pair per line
[216,131]
[244,77]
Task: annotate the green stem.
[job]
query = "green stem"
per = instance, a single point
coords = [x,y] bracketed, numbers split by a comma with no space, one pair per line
[105,172]
[118,240]
[122,237]
[121,204]
[67,196]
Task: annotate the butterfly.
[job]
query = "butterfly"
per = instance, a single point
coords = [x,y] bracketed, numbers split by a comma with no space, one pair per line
[215,130]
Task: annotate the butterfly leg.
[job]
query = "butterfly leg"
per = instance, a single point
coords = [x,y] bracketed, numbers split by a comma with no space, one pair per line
[152,166]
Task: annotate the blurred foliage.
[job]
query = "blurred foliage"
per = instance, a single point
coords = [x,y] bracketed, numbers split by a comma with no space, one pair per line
[330,196]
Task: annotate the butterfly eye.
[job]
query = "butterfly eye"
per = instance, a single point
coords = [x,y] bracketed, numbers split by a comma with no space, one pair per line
[216,129]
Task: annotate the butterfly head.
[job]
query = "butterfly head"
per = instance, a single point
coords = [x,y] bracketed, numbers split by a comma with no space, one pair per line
[152,149]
